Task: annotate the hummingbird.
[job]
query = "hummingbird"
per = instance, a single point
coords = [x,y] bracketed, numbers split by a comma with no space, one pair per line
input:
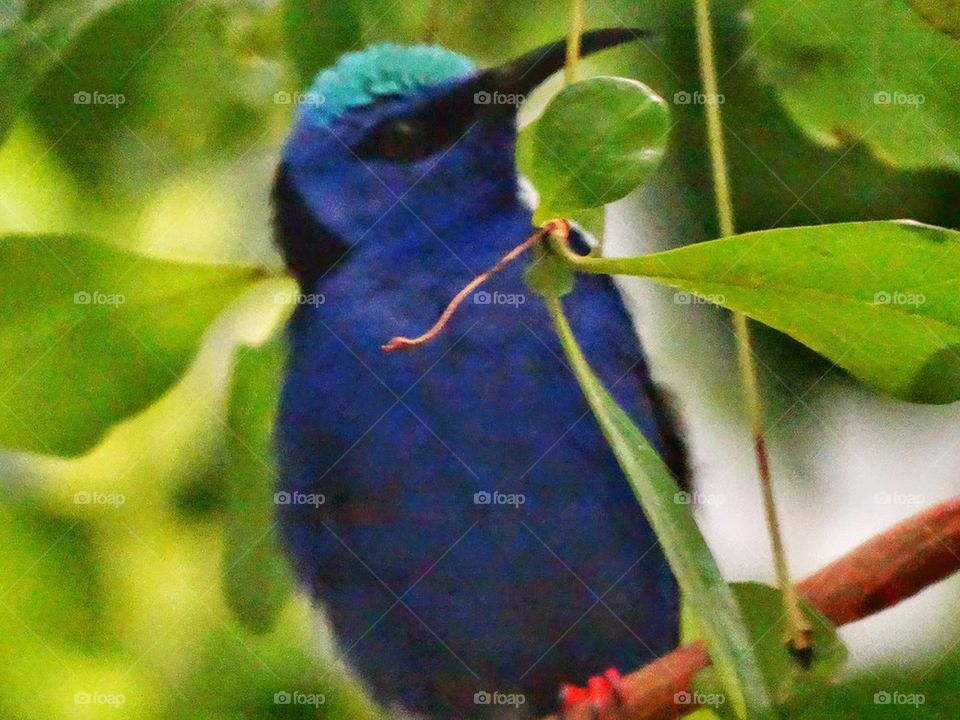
[455,510]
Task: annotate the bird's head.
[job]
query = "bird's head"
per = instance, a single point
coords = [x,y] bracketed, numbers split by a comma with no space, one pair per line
[395,131]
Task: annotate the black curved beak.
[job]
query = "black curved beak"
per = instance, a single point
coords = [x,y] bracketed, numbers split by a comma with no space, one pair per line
[521,76]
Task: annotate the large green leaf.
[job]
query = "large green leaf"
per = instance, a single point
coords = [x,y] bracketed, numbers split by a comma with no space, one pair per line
[690,558]
[92,334]
[873,71]
[879,299]
[33,42]
[580,158]
[256,579]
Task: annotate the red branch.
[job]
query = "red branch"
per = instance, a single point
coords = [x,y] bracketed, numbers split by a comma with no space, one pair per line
[882,572]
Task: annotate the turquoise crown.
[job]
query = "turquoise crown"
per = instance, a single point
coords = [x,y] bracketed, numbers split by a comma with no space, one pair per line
[359,78]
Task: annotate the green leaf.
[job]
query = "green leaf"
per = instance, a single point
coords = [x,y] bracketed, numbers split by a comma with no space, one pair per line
[842,71]
[580,158]
[924,690]
[256,579]
[92,334]
[689,556]
[33,43]
[549,276]
[317,32]
[791,685]
[942,14]
[879,299]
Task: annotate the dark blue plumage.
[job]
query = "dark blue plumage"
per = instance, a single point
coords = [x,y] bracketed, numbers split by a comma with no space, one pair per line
[392,194]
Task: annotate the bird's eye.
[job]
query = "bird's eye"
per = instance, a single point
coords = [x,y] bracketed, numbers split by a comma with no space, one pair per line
[400,137]
[397,141]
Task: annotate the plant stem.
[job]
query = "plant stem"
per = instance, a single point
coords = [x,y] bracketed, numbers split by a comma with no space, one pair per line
[799,627]
[883,571]
[573,41]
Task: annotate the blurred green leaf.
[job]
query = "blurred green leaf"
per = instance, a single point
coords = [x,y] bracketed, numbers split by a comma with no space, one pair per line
[873,72]
[317,32]
[879,299]
[256,578]
[92,334]
[926,692]
[790,684]
[582,158]
[690,558]
[942,14]
[548,275]
[50,578]
[156,86]
[33,40]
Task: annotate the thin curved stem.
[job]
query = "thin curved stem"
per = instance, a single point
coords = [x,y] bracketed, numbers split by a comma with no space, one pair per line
[800,630]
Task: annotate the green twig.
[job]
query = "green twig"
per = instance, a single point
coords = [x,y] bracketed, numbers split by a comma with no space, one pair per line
[799,627]
[573,41]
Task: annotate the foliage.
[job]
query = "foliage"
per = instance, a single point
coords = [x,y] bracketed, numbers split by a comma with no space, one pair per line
[156,124]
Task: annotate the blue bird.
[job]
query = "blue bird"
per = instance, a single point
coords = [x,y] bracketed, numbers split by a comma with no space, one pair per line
[476,545]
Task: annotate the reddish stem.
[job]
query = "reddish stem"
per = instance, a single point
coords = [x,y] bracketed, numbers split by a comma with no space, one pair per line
[400,342]
[558,227]
[884,571]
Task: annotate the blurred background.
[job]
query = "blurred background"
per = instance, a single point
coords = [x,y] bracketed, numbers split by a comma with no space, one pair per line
[118,609]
